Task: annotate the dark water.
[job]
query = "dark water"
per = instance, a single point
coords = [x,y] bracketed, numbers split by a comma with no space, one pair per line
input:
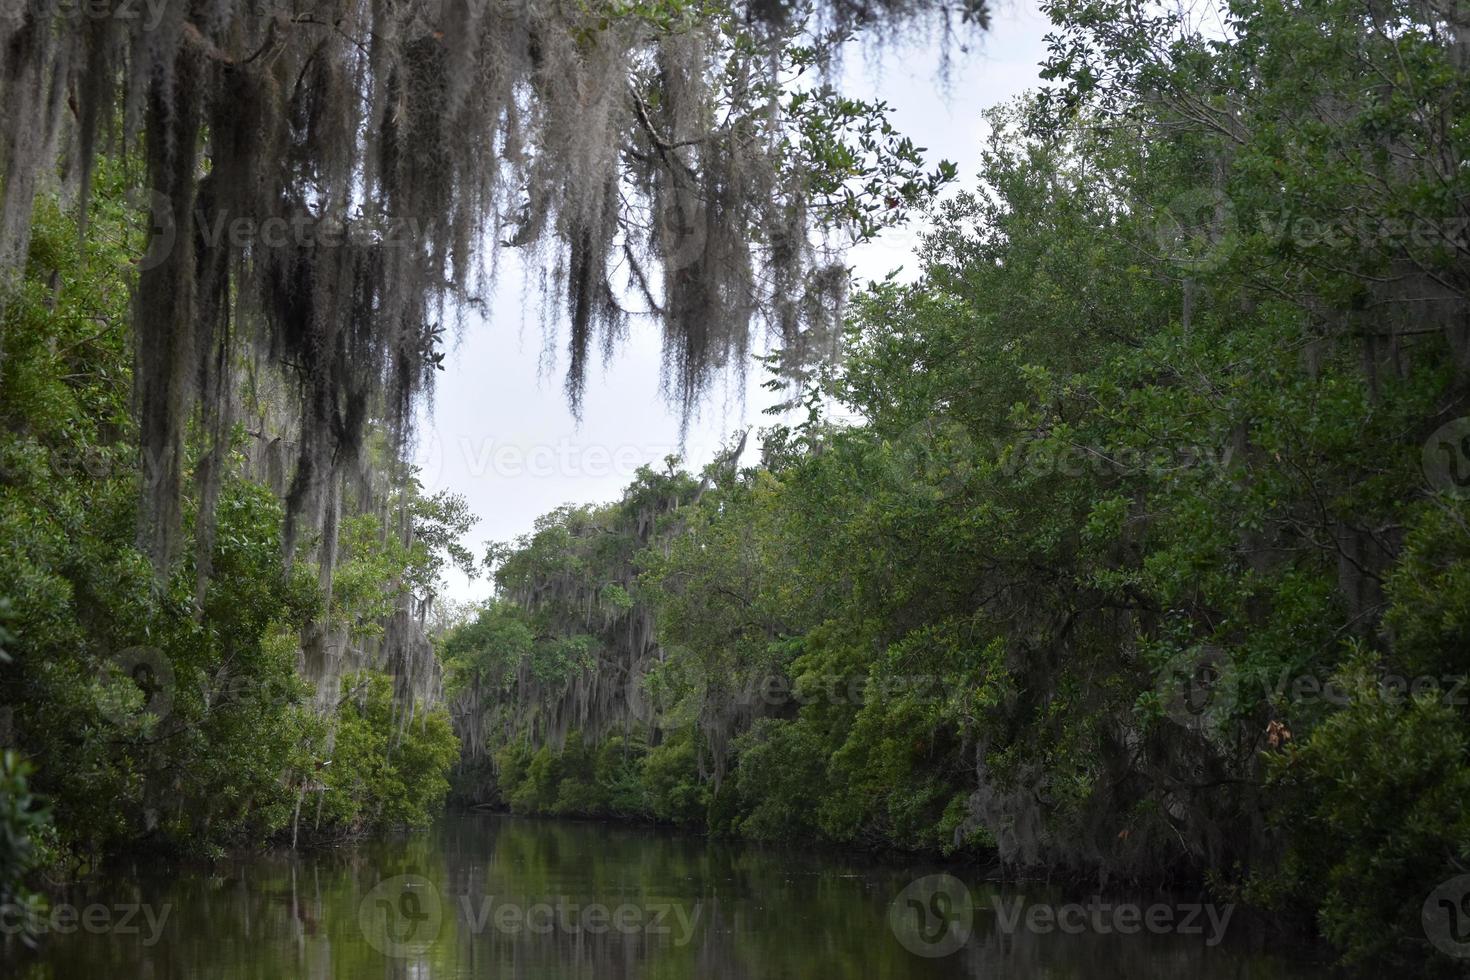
[489,896]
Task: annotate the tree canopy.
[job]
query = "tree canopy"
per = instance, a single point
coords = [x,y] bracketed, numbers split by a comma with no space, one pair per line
[325,182]
[1143,556]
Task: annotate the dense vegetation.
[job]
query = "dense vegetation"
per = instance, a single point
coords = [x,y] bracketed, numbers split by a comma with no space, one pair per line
[1143,552]
[1130,540]
[326,184]
[233,239]
[148,719]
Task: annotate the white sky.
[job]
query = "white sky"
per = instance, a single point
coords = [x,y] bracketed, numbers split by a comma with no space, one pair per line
[501,433]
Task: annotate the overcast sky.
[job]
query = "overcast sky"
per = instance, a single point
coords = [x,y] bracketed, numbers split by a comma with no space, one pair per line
[500,432]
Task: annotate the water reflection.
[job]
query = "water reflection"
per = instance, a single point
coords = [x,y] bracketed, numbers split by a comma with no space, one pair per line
[486,896]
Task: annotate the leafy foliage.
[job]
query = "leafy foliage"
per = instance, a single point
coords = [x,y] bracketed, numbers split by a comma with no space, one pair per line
[383,773]
[1141,559]
[147,715]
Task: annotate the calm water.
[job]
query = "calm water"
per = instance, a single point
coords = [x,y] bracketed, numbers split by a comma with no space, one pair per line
[490,896]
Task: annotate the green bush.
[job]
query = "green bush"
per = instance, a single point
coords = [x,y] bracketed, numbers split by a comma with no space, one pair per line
[620,764]
[22,822]
[781,777]
[671,781]
[386,771]
[1372,805]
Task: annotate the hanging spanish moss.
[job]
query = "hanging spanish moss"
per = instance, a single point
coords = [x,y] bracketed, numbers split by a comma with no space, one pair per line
[593,644]
[571,649]
[324,178]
